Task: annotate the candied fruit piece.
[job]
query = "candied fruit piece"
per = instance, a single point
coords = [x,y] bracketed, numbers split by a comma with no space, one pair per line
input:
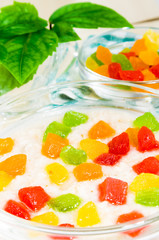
[53,145]
[73,156]
[148,57]
[102,70]
[93,55]
[87,171]
[129,217]
[148,75]
[137,63]
[151,40]
[113,190]
[148,197]
[101,130]
[107,159]
[14,165]
[18,209]
[57,173]
[104,55]
[155,70]
[144,181]
[73,119]
[125,50]
[88,215]
[46,218]
[67,225]
[139,46]
[5,179]
[124,62]
[132,133]
[91,63]
[93,148]
[148,165]
[113,70]
[131,75]
[147,120]
[120,144]
[128,54]
[58,129]
[146,140]
[65,203]
[34,197]
[6,145]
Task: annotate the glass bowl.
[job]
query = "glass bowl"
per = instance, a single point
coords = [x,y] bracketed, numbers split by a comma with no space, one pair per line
[49,101]
[116,40]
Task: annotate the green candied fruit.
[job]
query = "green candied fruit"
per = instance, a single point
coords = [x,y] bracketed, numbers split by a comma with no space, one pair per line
[147,120]
[65,203]
[93,55]
[122,59]
[126,50]
[148,197]
[73,156]
[73,119]
[58,129]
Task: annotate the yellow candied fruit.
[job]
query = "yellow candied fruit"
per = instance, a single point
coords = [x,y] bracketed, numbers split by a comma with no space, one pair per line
[88,215]
[93,148]
[57,173]
[151,40]
[46,218]
[144,181]
[148,57]
[5,179]
[6,145]
[91,64]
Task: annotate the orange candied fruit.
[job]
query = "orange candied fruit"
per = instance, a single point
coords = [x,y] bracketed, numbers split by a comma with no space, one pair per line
[137,63]
[14,165]
[132,133]
[53,145]
[148,75]
[148,57]
[87,171]
[102,70]
[6,145]
[101,130]
[104,55]
[139,46]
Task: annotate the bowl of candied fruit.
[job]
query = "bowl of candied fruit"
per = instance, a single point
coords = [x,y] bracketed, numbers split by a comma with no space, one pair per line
[122,54]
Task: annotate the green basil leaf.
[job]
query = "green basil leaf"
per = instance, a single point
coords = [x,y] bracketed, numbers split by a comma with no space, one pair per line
[27,52]
[3,52]
[89,15]
[65,32]
[20,18]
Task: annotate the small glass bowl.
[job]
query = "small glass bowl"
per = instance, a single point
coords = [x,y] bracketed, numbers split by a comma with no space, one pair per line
[46,101]
[116,40]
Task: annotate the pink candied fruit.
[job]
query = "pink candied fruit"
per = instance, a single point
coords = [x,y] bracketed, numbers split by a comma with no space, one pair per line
[120,144]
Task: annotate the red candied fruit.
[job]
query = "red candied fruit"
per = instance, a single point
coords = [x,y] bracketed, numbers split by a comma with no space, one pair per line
[120,144]
[155,70]
[113,70]
[107,159]
[146,140]
[129,54]
[34,197]
[129,217]
[131,75]
[148,165]
[67,225]
[18,209]
[113,190]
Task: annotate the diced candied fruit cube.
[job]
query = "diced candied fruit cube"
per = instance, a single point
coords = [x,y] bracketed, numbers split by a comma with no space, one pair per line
[124,62]
[53,145]
[138,64]
[113,70]
[102,70]
[34,197]
[125,50]
[93,55]
[58,174]
[46,218]
[65,203]
[120,144]
[67,225]
[113,190]
[151,40]
[147,120]
[155,70]
[87,171]
[148,197]
[148,57]
[6,145]
[88,215]
[14,165]
[73,156]
[146,140]
[129,217]
[93,148]
[148,75]
[101,130]
[128,54]
[139,46]
[144,181]
[5,179]
[73,119]
[91,63]
[133,133]
[131,75]
[104,55]
[18,209]
[107,159]
[148,165]
[58,129]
